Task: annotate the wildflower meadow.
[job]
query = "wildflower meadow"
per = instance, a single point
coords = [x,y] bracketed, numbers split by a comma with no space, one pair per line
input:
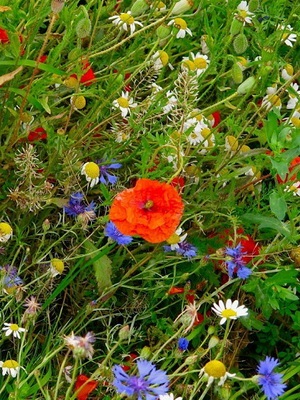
[150,187]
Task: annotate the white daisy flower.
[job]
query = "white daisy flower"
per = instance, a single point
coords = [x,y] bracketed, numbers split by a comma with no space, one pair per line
[294,188]
[287,72]
[294,96]
[124,104]
[243,13]
[160,59]
[169,396]
[13,329]
[56,267]
[271,100]
[198,63]
[91,171]
[175,239]
[182,27]
[5,232]
[10,367]
[287,37]
[125,20]
[229,310]
[295,118]
[215,369]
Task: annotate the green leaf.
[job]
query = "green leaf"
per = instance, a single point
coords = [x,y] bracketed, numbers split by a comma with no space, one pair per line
[286,294]
[269,222]
[278,205]
[283,278]
[102,266]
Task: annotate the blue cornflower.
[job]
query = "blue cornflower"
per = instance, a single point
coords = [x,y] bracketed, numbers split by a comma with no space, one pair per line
[271,382]
[149,384]
[106,177]
[183,248]
[237,265]
[10,276]
[183,344]
[113,233]
[76,207]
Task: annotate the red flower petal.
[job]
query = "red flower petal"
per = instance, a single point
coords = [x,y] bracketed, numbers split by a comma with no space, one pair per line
[3,36]
[37,134]
[85,388]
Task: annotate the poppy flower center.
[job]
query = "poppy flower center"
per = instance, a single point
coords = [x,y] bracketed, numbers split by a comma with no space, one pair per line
[200,63]
[92,170]
[148,205]
[10,364]
[180,23]
[127,18]
[123,102]
[228,313]
[215,369]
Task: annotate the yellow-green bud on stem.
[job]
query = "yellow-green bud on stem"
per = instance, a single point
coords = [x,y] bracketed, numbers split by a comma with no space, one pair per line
[182,6]
[124,332]
[240,43]
[253,5]
[236,27]
[213,342]
[83,28]
[246,86]
[211,330]
[139,7]
[237,73]
[146,353]
[163,31]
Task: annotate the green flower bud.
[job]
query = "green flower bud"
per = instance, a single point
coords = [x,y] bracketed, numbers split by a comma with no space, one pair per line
[146,352]
[237,73]
[240,43]
[57,6]
[211,330]
[139,7]
[253,5]
[246,86]
[191,360]
[236,27]
[213,342]
[83,28]
[163,31]
[74,54]
[124,332]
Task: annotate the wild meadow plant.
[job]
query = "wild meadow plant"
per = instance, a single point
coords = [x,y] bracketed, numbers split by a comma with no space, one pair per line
[150,184]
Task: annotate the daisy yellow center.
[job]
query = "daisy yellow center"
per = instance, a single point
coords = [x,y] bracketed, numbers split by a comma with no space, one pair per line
[161,5]
[173,239]
[92,170]
[127,18]
[289,69]
[5,228]
[295,121]
[232,142]
[285,36]
[57,264]
[200,63]
[190,65]
[242,61]
[194,135]
[71,82]
[180,23]
[148,204]
[14,327]
[11,364]
[274,100]
[79,102]
[205,132]
[228,313]
[245,148]
[215,369]
[164,58]
[243,13]
[123,102]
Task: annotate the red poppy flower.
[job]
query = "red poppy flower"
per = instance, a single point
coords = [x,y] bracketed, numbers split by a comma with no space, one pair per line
[88,77]
[151,210]
[37,134]
[217,118]
[84,388]
[3,36]
[178,182]
[129,362]
[294,163]
[42,59]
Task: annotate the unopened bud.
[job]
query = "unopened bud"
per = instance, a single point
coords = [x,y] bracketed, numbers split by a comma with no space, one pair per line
[57,6]
[83,28]
[182,6]
[236,27]
[146,353]
[163,31]
[253,5]
[211,330]
[240,43]
[237,73]
[295,256]
[213,342]
[124,332]
[191,359]
[139,7]
[246,86]
[46,225]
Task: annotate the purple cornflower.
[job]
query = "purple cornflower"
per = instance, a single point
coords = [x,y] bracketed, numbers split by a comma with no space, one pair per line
[149,384]
[271,382]
[237,265]
[106,177]
[113,233]
[183,248]
[10,276]
[76,207]
[183,344]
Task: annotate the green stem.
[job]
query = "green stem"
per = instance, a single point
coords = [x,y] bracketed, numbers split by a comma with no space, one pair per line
[224,340]
[74,374]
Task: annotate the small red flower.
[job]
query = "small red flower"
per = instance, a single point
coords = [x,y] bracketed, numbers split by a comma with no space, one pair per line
[151,210]
[4,36]
[217,118]
[37,135]
[84,388]
[129,362]
[178,183]
[88,77]
[42,59]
